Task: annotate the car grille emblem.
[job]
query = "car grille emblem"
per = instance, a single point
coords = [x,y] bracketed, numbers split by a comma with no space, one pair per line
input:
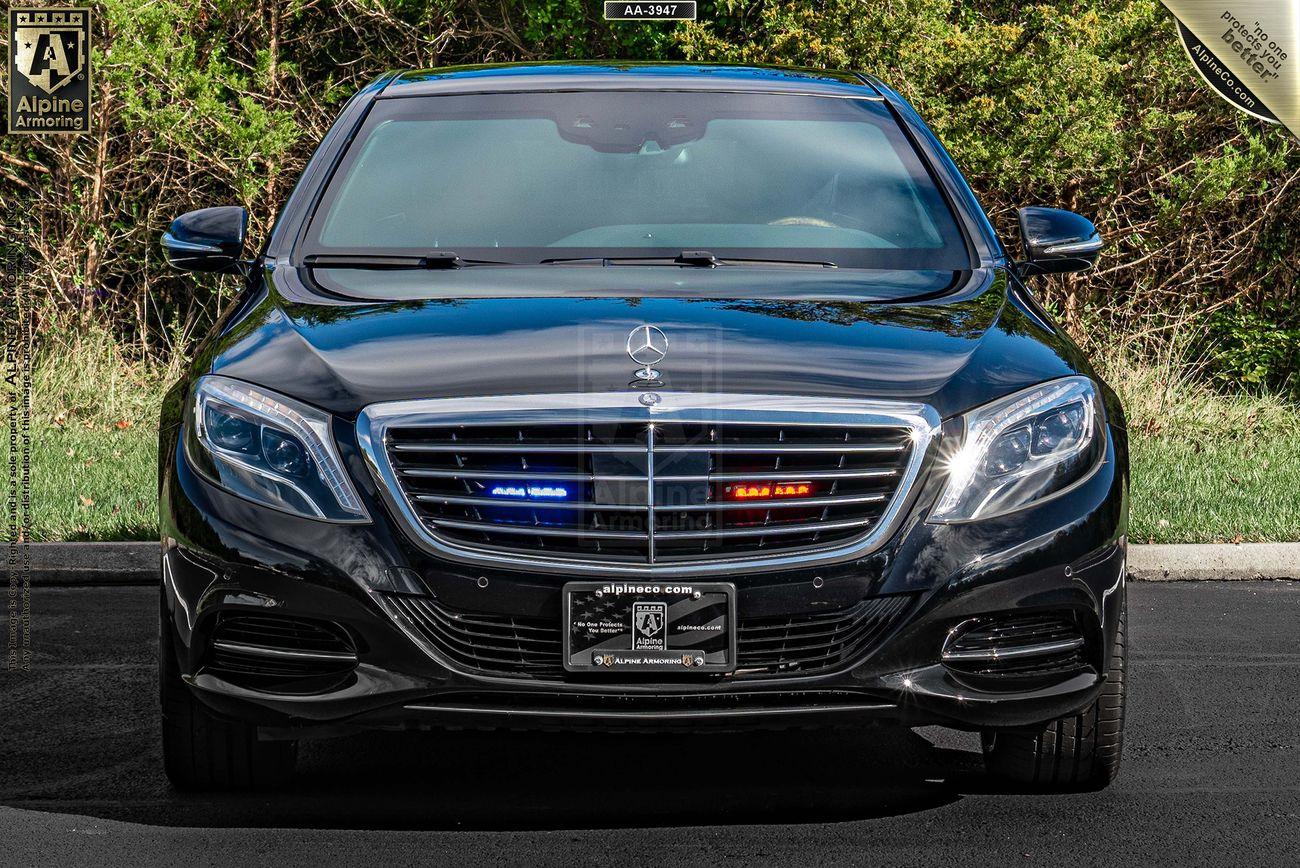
[647,346]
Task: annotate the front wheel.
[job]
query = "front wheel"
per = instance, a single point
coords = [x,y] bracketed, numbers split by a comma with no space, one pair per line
[1076,752]
[202,751]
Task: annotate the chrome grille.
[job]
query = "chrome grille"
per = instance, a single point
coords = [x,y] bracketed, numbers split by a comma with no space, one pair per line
[532,647]
[627,485]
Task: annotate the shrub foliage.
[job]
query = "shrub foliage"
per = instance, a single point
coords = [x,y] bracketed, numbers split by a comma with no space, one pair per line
[1089,105]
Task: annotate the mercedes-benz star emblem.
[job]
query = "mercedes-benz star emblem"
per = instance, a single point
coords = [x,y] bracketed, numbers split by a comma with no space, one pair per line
[647,346]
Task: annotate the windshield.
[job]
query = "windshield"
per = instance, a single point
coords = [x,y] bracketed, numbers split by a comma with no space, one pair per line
[535,177]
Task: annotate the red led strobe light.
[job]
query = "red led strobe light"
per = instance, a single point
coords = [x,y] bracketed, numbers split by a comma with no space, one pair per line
[768,490]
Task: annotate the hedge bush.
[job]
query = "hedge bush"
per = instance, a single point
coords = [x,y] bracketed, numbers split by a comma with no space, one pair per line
[1090,105]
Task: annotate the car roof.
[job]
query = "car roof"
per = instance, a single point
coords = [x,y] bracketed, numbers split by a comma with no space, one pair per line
[632,75]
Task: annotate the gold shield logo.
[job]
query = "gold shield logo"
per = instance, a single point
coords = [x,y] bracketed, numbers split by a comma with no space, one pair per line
[52,53]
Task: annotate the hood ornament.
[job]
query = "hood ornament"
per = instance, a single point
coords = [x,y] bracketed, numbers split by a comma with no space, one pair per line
[647,346]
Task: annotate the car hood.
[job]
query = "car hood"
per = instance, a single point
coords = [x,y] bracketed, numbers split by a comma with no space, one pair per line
[949,340]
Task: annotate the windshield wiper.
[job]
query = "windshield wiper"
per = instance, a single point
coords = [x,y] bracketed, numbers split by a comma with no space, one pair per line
[436,260]
[692,258]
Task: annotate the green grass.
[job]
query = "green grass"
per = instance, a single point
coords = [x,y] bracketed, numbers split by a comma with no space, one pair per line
[94,441]
[1205,467]
[1226,489]
[94,484]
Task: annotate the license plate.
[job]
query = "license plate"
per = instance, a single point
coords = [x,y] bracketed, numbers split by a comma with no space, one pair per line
[649,627]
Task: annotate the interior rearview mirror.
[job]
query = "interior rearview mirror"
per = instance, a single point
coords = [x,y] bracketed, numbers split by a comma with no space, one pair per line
[210,239]
[1057,241]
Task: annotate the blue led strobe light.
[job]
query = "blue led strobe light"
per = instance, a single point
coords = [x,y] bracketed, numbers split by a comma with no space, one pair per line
[540,492]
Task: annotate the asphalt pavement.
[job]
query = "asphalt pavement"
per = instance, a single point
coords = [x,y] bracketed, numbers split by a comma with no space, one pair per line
[1211,771]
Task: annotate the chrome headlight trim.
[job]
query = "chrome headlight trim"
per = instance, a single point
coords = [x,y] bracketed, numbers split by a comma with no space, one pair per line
[986,424]
[279,413]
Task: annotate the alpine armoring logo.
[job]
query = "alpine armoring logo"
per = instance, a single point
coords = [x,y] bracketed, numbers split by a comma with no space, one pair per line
[49,70]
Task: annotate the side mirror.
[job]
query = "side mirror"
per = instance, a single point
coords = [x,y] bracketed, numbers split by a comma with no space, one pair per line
[1057,241]
[210,239]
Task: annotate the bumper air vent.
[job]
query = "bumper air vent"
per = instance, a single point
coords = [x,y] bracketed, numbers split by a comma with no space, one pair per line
[1016,649]
[280,654]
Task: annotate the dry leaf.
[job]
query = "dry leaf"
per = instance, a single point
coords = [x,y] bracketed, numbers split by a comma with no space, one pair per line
[1236,540]
[86,501]
[123,424]
[60,419]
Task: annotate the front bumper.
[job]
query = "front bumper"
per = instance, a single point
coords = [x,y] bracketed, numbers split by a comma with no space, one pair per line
[222,554]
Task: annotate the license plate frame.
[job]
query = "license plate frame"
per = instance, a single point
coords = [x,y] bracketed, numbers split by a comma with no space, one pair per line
[607,643]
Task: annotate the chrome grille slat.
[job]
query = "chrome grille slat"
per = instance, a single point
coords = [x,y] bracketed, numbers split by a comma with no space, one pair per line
[565,449]
[520,504]
[765,530]
[811,475]
[514,448]
[646,489]
[770,503]
[512,474]
[783,449]
[536,530]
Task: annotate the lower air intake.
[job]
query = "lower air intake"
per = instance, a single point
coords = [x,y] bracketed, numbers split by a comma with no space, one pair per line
[532,647]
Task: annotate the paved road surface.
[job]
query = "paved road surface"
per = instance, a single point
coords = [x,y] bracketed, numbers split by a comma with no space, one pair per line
[1211,772]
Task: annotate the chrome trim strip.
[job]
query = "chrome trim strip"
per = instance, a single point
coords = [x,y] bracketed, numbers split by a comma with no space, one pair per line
[1088,246]
[374,421]
[176,245]
[241,648]
[1017,651]
[660,714]
[650,492]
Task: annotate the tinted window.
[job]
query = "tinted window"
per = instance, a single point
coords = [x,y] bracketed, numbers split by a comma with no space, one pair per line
[529,177]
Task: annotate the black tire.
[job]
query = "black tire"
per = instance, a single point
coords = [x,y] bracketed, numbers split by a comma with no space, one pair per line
[1077,752]
[203,751]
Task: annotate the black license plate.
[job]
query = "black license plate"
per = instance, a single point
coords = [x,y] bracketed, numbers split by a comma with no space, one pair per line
[649,627]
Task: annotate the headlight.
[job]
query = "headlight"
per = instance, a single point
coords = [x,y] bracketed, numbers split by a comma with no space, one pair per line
[1022,449]
[269,449]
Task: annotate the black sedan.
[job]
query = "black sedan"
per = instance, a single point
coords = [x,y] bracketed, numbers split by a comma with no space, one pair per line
[638,397]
